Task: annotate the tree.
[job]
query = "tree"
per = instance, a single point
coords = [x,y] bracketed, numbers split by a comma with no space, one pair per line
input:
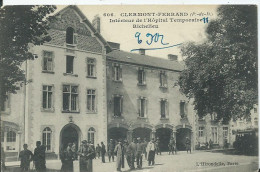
[20,26]
[221,72]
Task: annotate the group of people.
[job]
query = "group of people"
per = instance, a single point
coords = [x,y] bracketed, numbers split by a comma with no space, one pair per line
[133,152]
[26,156]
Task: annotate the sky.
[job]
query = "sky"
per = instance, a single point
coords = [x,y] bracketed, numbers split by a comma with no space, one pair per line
[173,32]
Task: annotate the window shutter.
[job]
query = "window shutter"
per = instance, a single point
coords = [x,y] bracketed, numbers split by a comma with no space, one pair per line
[120,73]
[146,107]
[75,39]
[95,67]
[113,73]
[121,105]
[144,77]
[113,105]
[167,109]
[139,106]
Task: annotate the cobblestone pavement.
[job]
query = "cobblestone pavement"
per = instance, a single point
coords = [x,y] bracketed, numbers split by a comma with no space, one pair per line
[197,161]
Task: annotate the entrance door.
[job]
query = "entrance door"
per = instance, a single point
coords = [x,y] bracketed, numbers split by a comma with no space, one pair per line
[69,135]
[164,135]
[143,133]
[181,135]
[117,133]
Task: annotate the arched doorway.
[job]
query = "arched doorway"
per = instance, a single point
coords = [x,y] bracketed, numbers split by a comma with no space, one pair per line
[181,135]
[117,133]
[142,133]
[164,135]
[70,134]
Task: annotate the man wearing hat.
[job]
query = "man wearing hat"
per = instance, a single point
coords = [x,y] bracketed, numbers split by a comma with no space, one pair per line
[139,153]
[151,152]
[188,145]
[103,152]
[110,150]
[119,151]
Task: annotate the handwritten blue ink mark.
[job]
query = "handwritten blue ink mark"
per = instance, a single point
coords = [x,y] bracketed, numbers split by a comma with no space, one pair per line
[137,35]
[150,38]
[155,38]
[157,48]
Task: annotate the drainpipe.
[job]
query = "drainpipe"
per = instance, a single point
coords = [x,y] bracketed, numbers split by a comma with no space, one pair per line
[25,115]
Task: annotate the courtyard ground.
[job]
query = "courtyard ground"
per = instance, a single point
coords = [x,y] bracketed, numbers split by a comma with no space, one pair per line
[197,161]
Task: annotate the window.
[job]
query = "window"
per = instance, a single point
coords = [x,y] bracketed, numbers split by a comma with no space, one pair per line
[213,116]
[91,67]
[117,73]
[256,121]
[214,134]
[91,100]
[47,61]
[5,105]
[69,64]
[141,77]
[46,138]
[70,35]
[164,105]
[11,136]
[142,107]
[201,130]
[225,132]
[70,98]
[163,79]
[255,110]
[2,136]
[182,109]
[47,97]
[91,135]
[118,106]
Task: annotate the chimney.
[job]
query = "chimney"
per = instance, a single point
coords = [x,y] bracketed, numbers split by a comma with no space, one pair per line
[114,45]
[142,51]
[172,57]
[96,23]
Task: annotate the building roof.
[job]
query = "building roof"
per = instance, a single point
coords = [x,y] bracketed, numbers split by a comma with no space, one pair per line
[144,60]
[88,23]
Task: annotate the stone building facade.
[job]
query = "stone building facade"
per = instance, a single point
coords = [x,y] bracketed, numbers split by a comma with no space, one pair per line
[144,99]
[64,99]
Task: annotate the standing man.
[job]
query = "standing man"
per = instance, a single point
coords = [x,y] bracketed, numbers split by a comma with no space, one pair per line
[74,150]
[145,145]
[90,155]
[110,150]
[119,151]
[39,157]
[103,152]
[82,157]
[128,153]
[25,157]
[151,152]
[98,150]
[3,167]
[188,145]
[157,143]
[139,153]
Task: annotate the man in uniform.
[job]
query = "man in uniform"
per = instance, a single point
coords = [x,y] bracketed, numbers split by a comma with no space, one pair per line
[103,152]
[188,145]
[139,152]
[25,157]
[119,151]
[110,150]
[39,157]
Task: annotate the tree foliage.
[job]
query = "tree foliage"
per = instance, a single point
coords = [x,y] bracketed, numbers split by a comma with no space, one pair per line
[221,72]
[20,26]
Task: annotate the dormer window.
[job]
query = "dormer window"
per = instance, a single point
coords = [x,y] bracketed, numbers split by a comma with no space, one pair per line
[70,39]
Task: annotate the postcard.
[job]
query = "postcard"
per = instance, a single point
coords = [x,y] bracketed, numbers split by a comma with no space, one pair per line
[152,88]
